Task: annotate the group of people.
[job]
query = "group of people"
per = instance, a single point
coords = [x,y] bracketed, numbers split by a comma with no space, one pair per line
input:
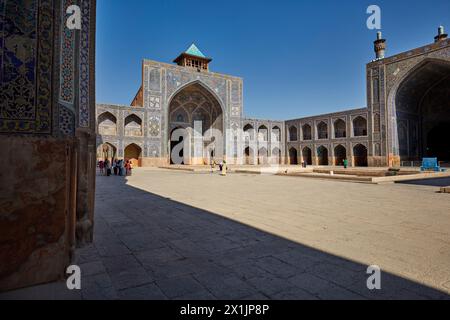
[222,167]
[118,167]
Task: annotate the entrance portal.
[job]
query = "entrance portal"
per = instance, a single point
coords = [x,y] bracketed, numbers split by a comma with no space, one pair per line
[422,106]
[199,112]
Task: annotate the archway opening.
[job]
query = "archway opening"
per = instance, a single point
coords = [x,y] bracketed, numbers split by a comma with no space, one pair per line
[263,133]
[133,153]
[276,134]
[107,124]
[360,155]
[322,156]
[293,133]
[306,129]
[262,156]
[359,127]
[106,151]
[133,126]
[340,154]
[438,142]
[249,133]
[307,156]
[293,156]
[322,130]
[276,156]
[339,129]
[199,112]
[248,153]
[422,107]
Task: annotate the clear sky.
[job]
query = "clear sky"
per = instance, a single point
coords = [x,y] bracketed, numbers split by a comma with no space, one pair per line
[297,58]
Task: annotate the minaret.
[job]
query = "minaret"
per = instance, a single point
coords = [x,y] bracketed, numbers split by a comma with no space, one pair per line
[380,46]
[441,34]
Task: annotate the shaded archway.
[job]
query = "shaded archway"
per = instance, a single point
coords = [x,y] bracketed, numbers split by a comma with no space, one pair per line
[438,142]
[263,133]
[340,154]
[276,156]
[179,115]
[106,151]
[306,130]
[107,124]
[360,155]
[340,129]
[262,156]
[293,133]
[422,112]
[248,156]
[276,134]
[322,130]
[196,109]
[359,126]
[293,156]
[322,156]
[133,126]
[133,153]
[307,155]
[249,133]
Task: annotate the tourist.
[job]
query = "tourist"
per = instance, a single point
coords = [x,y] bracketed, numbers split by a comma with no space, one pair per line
[115,167]
[120,167]
[123,168]
[107,167]
[101,166]
[130,168]
[345,163]
[223,168]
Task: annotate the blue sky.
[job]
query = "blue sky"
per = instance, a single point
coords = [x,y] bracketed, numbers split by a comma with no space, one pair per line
[297,58]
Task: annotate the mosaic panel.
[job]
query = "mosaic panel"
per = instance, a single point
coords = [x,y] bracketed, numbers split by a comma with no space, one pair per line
[154,79]
[235,92]
[67,61]
[154,102]
[154,126]
[66,121]
[235,111]
[154,150]
[175,80]
[26,34]
[84,81]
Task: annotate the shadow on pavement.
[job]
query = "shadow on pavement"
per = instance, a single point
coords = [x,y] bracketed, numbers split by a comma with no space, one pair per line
[438,182]
[150,247]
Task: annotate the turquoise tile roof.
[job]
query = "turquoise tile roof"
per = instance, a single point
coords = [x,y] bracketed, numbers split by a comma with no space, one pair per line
[194,51]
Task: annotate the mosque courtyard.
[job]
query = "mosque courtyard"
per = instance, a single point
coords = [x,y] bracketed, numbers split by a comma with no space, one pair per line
[167,234]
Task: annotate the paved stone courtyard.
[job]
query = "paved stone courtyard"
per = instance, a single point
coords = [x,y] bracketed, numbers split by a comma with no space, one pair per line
[164,234]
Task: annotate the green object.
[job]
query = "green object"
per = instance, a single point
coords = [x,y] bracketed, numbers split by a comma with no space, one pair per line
[194,51]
